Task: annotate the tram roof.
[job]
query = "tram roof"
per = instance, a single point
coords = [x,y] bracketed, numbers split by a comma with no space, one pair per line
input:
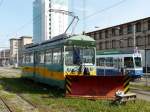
[66,37]
[63,38]
[81,37]
[110,52]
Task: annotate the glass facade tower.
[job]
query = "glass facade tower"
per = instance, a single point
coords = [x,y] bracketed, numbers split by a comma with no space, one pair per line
[48,20]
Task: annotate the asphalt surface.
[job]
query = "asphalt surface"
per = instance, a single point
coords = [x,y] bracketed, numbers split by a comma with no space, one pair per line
[141,94]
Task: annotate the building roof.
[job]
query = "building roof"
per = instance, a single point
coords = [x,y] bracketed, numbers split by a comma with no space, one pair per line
[13,39]
[131,22]
[21,37]
[6,50]
[25,37]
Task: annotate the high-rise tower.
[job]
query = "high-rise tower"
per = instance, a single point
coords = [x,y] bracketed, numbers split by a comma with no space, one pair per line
[48,20]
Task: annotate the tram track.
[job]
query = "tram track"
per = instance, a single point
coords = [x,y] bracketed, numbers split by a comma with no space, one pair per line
[6,105]
[19,99]
[29,102]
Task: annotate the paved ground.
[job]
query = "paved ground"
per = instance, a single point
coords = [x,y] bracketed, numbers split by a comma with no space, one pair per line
[9,72]
[143,81]
[141,94]
[12,102]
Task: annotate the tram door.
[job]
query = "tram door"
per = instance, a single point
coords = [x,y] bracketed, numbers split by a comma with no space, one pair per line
[38,64]
[35,63]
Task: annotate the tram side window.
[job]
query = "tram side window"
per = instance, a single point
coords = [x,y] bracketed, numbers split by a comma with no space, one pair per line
[32,59]
[48,57]
[69,56]
[117,62]
[41,58]
[128,62]
[109,62]
[57,56]
[29,58]
[100,61]
[24,58]
[97,62]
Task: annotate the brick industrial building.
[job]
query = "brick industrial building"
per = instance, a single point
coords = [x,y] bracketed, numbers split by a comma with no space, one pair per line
[122,37]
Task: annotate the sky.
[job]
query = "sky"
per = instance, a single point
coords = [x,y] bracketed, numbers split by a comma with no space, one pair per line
[16,15]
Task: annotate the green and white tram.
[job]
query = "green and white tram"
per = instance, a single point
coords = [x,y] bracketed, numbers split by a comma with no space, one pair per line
[50,61]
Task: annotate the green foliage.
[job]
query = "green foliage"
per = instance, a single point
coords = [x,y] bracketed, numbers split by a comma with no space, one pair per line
[53,99]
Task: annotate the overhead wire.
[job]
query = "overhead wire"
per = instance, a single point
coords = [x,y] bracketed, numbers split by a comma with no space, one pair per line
[29,22]
[105,9]
[23,26]
[84,15]
[1,2]
[84,18]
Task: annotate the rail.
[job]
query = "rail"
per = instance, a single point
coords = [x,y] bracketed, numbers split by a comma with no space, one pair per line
[9,109]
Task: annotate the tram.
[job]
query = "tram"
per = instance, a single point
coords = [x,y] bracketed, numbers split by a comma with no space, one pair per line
[119,62]
[49,62]
[69,62]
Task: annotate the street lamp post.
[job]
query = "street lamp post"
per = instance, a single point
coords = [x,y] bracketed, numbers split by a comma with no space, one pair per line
[144,31]
[17,58]
[4,58]
[134,36]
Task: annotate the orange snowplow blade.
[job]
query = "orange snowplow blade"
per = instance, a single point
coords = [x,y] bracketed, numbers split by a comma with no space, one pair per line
[97,87]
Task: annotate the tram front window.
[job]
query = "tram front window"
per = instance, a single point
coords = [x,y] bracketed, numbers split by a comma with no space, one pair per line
[128,62]
[88,56]
[137,61]
[78,55]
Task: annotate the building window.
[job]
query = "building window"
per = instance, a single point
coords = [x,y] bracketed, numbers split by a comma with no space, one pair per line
[106,33]
[148,24]
[16,44]
[100,45]
[129,28]
[113,31]
[100,35]
[88,34]
[97,36]
[113,43]
[121,30]
[148,39]
[138,27]
[93,35]
[107,45]
[121,43]
[130,42]
[139,41]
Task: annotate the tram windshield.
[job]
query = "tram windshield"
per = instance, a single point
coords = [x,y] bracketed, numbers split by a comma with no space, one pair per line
[79,55]
[137,61]
[128,62]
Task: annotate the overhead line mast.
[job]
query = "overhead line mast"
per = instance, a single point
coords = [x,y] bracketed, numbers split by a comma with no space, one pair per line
[84,16]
